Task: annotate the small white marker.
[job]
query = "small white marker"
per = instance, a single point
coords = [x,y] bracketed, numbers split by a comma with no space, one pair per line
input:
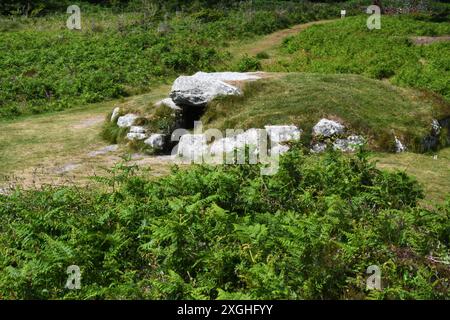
[343,13]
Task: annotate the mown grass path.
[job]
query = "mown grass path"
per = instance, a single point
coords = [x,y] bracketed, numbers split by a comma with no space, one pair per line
[269,42]
[56,148]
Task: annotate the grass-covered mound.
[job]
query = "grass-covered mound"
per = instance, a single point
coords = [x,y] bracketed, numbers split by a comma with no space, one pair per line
[309,232]
[348,46]
[373,108]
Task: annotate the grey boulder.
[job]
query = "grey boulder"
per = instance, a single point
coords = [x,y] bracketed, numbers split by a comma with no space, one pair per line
[156,141]
[399,146]
[168,102]
[328,128]
[251,138]
[127,120]
[196,91]
[319,147]
[137,133]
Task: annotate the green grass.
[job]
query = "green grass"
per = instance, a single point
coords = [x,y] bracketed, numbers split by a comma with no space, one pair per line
[433,174]
[31,140]
[347,46]
[59,137]
[373,108]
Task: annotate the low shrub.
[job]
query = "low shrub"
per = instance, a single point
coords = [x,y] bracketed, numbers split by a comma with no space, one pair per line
[111,132]
[248,64]
[308,232]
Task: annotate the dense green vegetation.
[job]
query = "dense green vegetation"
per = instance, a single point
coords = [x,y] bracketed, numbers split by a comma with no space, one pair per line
[225,232]
[309,232]
[42,7]
[349,47]
[45,67]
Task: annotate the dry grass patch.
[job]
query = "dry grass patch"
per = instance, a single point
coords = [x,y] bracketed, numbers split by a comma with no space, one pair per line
[431,170]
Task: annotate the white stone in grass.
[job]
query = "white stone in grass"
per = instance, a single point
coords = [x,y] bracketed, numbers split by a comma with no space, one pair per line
[399,146]
[127,120]
[168,102]
[115,114]
[137,129]
[133,136]
[252,138]
[328,128]
[319,147]
[137,133]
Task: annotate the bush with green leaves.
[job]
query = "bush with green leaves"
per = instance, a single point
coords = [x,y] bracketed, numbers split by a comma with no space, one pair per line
[249,64]
[262,55]
[308,232]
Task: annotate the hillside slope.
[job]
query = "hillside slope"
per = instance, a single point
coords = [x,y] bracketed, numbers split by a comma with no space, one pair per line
[373,108]
[347,46]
